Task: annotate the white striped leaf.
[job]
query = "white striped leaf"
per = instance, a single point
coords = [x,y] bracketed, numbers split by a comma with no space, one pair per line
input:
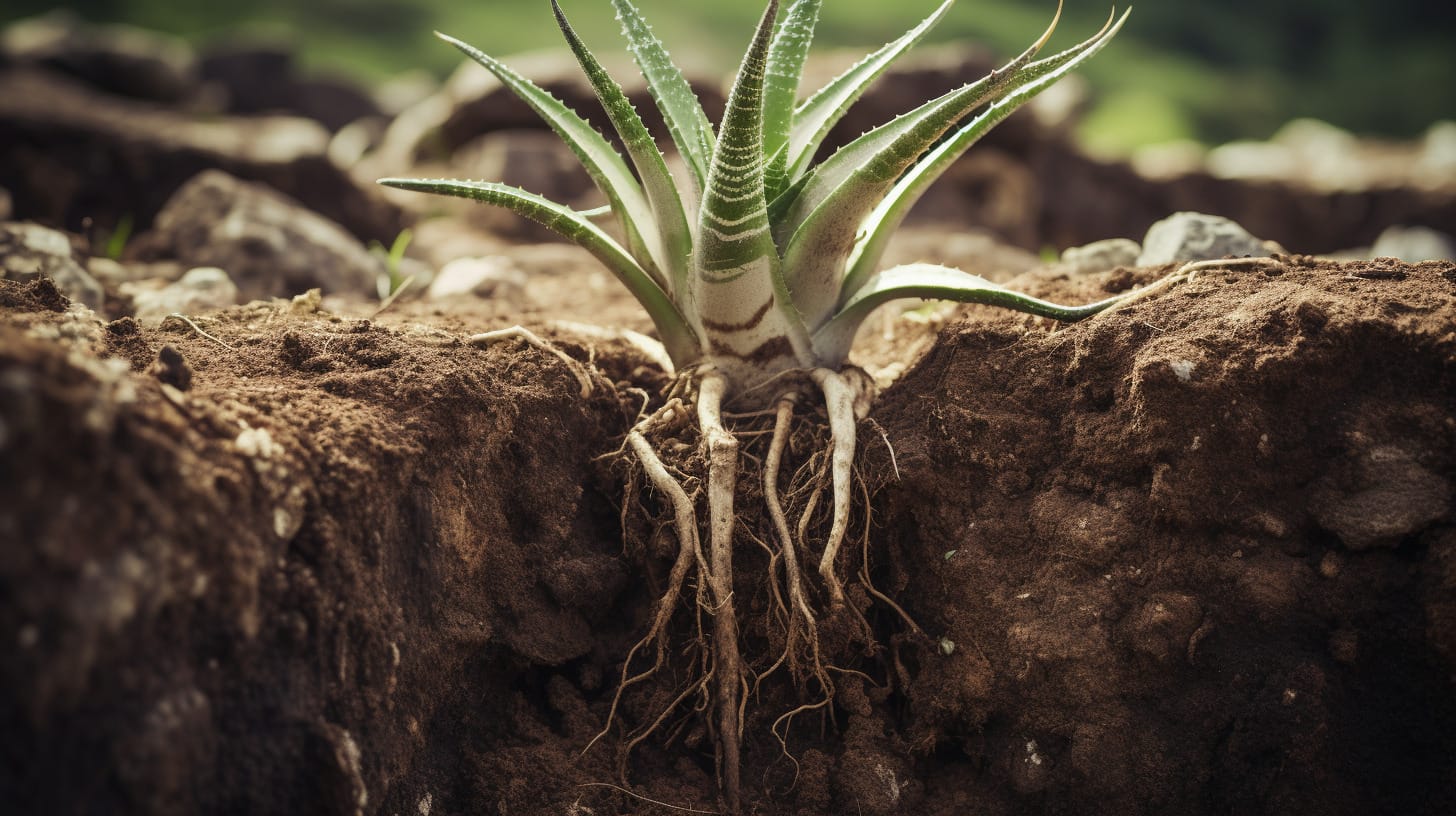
[686,123]
[891,211]
[681,342]
[673,236]
[932,281]
[786,55]
[822,111]
[739,291]
[601,160]
[824,219]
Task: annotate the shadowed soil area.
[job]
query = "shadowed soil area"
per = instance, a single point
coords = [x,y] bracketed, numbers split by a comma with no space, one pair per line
[1193,556]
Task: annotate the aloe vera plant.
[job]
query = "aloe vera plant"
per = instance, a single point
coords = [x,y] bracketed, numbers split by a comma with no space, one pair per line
[757,271]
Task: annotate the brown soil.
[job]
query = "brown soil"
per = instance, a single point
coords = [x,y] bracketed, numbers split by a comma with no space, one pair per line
[1196,556]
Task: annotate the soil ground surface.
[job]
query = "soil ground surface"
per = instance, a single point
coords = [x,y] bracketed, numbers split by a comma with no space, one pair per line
[1197,556]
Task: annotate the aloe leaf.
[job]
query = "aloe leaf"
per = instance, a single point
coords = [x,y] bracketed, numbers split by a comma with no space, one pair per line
[822,111]
[738,281]
[786,55]
[891,211]
[933,281]
[832,206]
[678,337]
[601,160]
[686,123]
[662,195]
[885,150]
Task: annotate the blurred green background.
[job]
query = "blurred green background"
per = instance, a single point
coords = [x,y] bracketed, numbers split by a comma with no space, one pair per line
[1211,70]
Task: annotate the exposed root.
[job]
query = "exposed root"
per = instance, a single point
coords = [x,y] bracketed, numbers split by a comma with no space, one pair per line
[583,377]
[689,550]
[793,609]
[844,394]
[806,629]
[721,449]
[639,797]
[185,319]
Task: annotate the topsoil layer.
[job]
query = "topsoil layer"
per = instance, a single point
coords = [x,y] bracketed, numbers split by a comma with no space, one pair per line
[1196,556]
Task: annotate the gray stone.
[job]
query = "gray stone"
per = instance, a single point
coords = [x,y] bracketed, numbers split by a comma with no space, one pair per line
[492,276]
[199,290]
[28,251]
[1191,236]
[269,244]
[1414,244]
[1101,256]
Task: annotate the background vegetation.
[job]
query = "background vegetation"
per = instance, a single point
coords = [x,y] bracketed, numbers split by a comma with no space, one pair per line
[1207,69]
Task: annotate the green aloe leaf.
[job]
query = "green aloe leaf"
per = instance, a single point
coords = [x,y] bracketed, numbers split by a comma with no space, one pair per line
[667,208]
[933,281]
[601,160]
[786,55]
[686,123]
[824,219]
[822,111]
[738,281]
[891,211]
[679,338]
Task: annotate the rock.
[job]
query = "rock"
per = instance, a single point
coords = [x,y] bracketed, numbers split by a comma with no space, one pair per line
[112,274]
[1414,244]
[201,289]
[534,160]
[1379,498]
[254,77]
[28,251]
[69,154]
[1101,256]
[1438,152]
[1191,236]
[331,101]
[1168,160]
[264,78]
[492,276]
[1325,152]
[119,59]
[267,242]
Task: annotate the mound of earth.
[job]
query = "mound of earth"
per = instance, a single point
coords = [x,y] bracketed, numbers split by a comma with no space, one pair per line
[1195,556]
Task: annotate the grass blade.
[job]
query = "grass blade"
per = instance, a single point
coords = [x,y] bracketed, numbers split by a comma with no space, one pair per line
[686,123]
[679,338]
[601,160]
[667,208]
